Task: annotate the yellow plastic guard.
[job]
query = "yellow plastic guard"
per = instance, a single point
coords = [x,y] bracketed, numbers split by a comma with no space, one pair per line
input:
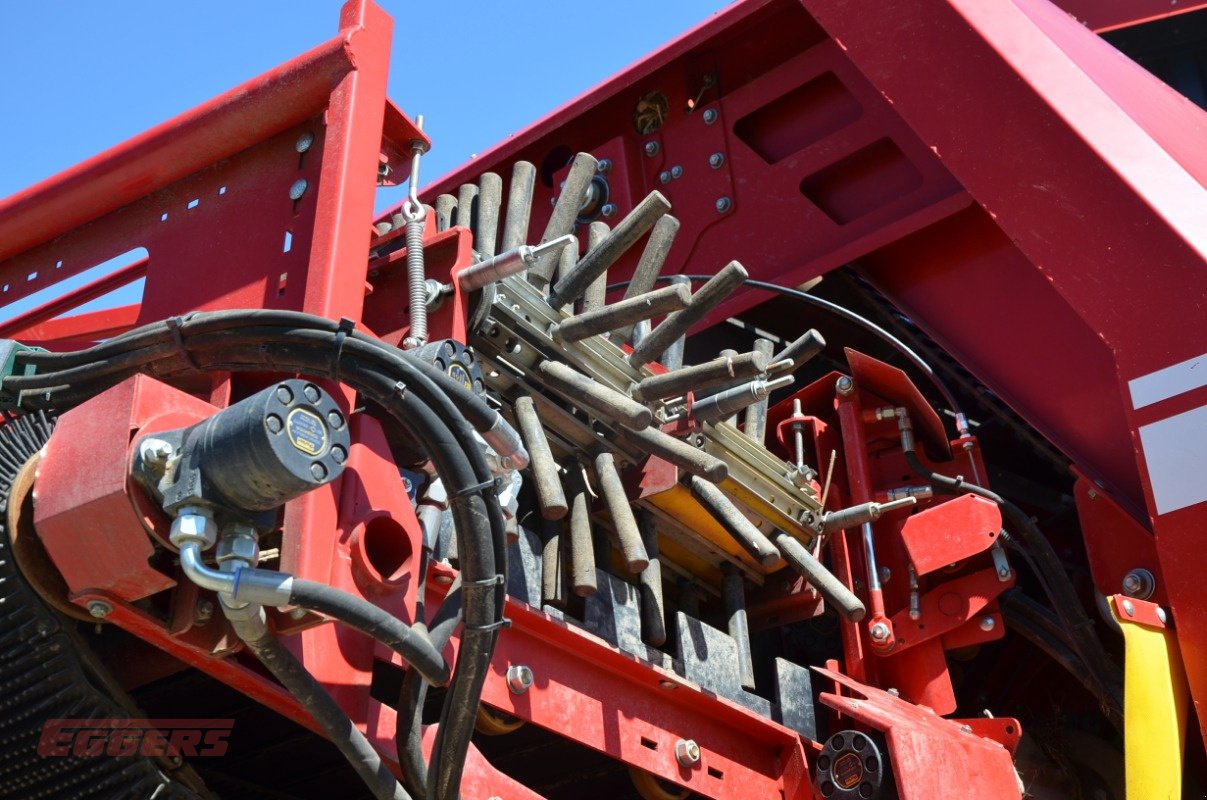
[1154,710]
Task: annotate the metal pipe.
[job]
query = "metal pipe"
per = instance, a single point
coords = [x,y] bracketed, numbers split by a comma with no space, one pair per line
[625,312]
[446,207]
[490,197]
[594,296]
[588,393]
[603,255]
[708,297]
[653,607]
[809,344]
[724,369]
[553,568]
[798,436]
[690,459]
[733,521]
[672,358]
[862,514]
[549,494]
[734,594]
[730,401]
[627,533]
[582,546]
[756,415]
[467,209]
[827,585]
[565,212]
[650,264]
[519,205]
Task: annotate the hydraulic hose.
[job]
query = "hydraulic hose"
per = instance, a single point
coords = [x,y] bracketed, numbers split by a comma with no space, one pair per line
[285,667]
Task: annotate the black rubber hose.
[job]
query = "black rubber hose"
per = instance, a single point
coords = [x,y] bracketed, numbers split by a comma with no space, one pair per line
[326,712]
[367,618]
[409,734]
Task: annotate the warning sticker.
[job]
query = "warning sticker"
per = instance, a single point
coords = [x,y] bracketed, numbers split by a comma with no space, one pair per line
[848,770]
[306,432]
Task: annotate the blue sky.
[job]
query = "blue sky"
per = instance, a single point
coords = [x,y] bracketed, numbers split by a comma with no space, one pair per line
[79,77]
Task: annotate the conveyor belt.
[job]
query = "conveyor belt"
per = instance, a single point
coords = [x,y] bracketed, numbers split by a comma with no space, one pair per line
[42,677]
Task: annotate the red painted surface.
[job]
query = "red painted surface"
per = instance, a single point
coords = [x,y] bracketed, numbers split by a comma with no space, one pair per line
[951,531]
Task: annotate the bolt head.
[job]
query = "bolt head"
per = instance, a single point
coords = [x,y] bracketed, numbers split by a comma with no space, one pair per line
[609,210]
[1128,608]
[687,752]
[242,547]
[155,451]
[99,608]
[304,142]
[604,165]
[716,160]
[665,176]
[886,574]
[651,149]
[723,205]
[1161,615]
[710,116]
[519,678]
[988,623]
[1139,583]
[204,611]
[193,523]
[879,632]
[845,385]
[676,172]
[298,189]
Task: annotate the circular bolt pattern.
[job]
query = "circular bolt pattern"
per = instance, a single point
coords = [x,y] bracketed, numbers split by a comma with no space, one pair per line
[99,608]
[716,160]
[851,765]
[304,142]
[723,205]
[651,149]
[519,678]
[710,116]
[687,752]
[298,189]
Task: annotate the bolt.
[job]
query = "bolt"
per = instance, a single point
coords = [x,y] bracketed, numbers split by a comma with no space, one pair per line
[519,678]
[687,752]
[99,608]
[304,142]
[298,189]
[651,148]
[604,165]
[710,116]
[1161,615]
[665,176]
[1128,608]
[1003,573]
[716,160]
[965,729]
[204,611]
[609,210]
[676,172]
[298,613]
[154,451]
[880,632]
[1139,583]
[338,455]
[318,471]
[886,574]
[723,205]
[988,623]
[894,692]
[845,386]
[667,684]
[312,392]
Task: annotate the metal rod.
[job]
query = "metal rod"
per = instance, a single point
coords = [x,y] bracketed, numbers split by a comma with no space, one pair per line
[827,585]
[588,393]
[722,370]
[594,296]
[625,312]
[553,564]
[519,205]
[467,209]
[549,494]
[627,533]
[582,548]
[676,451]
[565,212]
[672,359]
[802,349]
[732,419]
[708,297]
[603,255]
[756,415]
[798,436]
[735,523]
[446,209]
[490,197]
[565,262]
[734,594]
[653,607]
[645,275]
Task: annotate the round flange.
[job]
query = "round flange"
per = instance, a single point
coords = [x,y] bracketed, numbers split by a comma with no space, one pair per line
[852,766]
